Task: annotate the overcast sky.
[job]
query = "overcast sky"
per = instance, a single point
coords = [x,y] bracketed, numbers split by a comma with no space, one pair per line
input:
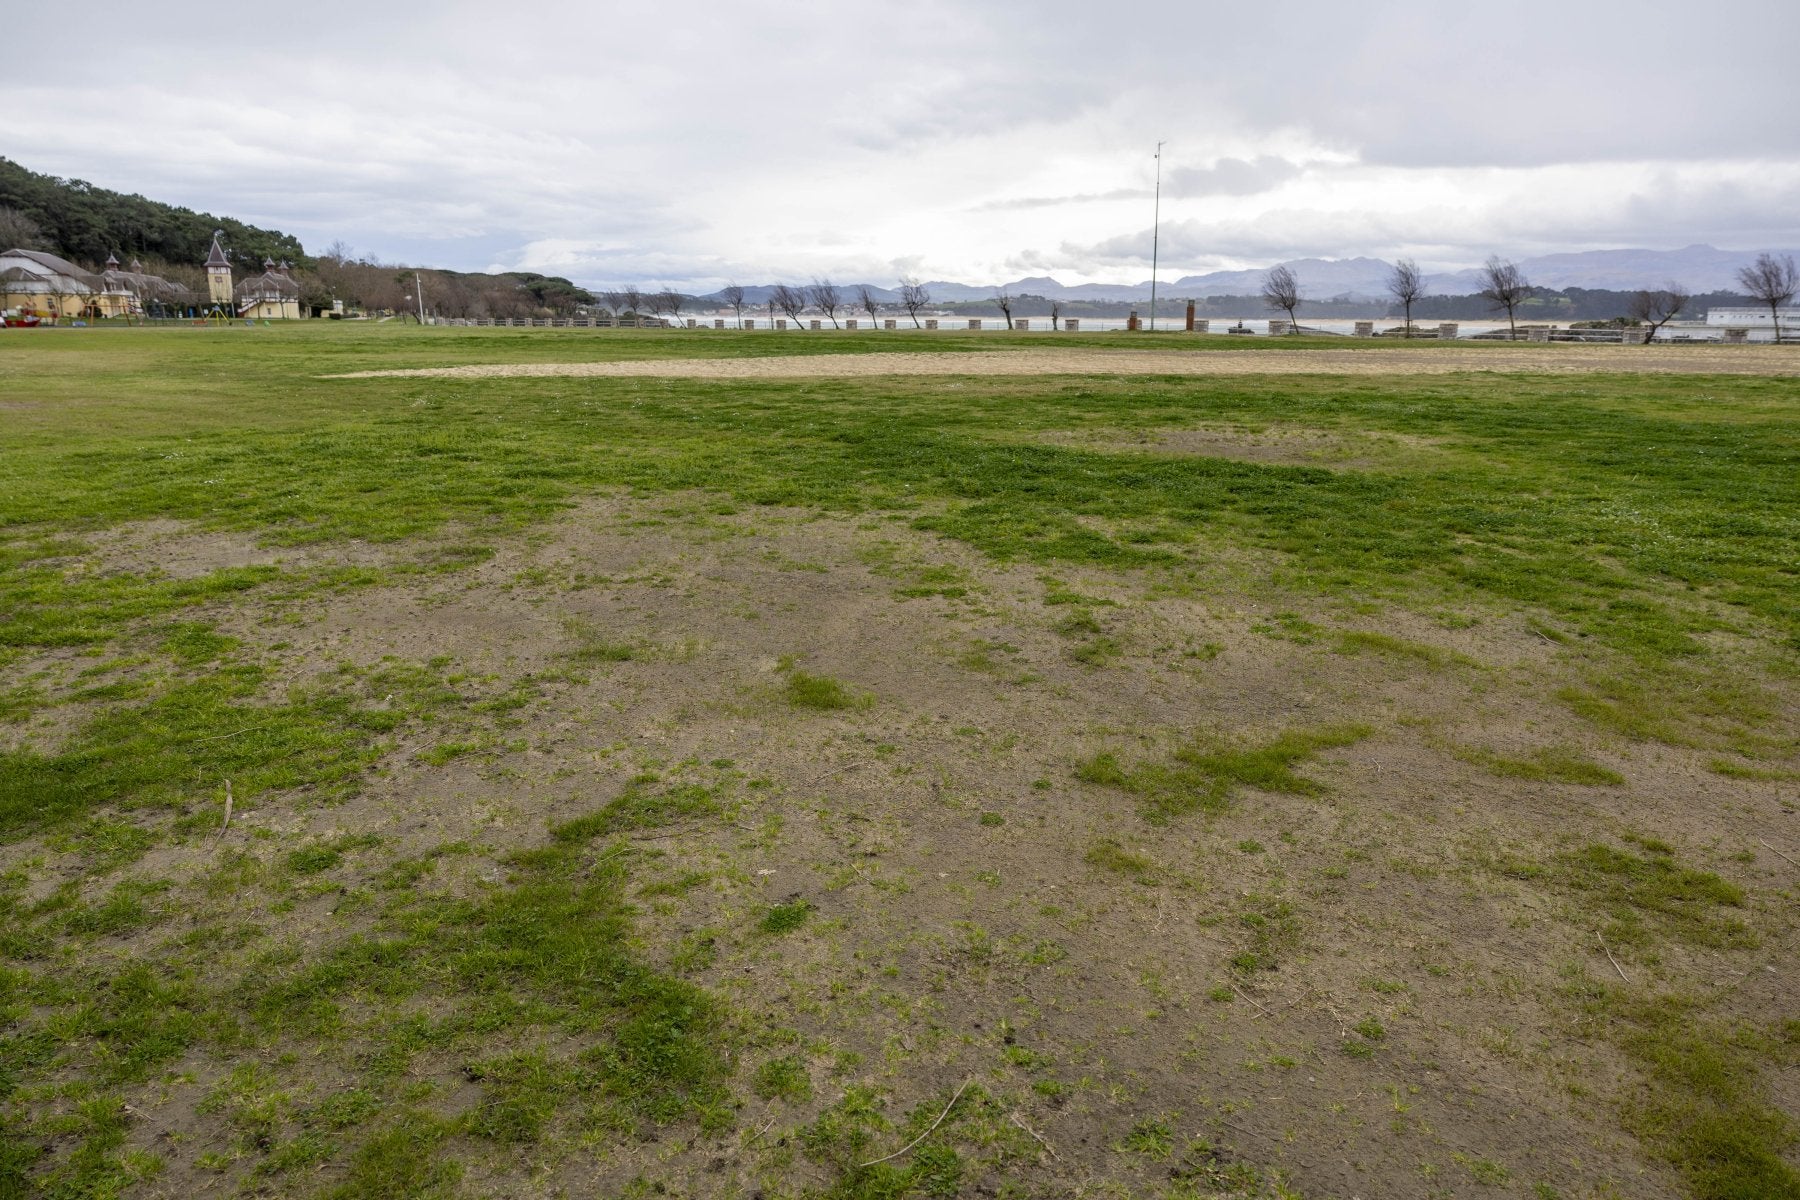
[691,143]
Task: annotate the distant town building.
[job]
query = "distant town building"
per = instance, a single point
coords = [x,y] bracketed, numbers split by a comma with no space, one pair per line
[1753,318]
[51,288]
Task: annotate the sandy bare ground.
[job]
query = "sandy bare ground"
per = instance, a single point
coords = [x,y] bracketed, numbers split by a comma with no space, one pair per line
[1535,359]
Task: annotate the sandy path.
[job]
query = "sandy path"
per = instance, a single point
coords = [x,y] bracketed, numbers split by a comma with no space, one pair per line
[1534,359]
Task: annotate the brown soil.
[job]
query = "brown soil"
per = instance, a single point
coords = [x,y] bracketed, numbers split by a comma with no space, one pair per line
[1554,359]
[944,942]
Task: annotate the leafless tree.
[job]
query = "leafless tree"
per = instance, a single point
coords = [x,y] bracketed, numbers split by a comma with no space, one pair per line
[614,300]
[1503,285]
[1281,290]
[733,294]
[19,232]
[1004,300]
[865,299]
[1406,285]
[1656,307]
[1773,281]
[654,304]
[634,299]
[672,303]
[1055,315]
[790,300]
[827,299]
[913,297]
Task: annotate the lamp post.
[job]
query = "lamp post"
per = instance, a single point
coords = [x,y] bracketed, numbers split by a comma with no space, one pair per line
[1155,235]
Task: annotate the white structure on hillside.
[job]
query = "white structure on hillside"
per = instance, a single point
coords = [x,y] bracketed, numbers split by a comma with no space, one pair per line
[1753,318]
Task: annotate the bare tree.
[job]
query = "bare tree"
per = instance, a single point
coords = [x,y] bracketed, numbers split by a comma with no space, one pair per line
[1406,285]
[614,300]
[1656,307]
[1004,299]
[733,294]
[1281,290]
[1503,285]
[655,303]
[913,297]
[790,300]
[18,231]
[866,300]
[672,303]
[634,299]
[1773,281]
[1055,314]
[827,299]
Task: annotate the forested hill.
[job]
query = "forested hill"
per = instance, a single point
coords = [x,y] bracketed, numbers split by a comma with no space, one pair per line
[85,223]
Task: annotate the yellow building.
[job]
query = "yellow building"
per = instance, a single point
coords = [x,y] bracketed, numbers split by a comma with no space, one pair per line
[32,281]
[272,296]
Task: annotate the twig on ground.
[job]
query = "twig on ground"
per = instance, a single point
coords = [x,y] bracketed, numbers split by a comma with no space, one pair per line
[1774,851]
[1245,1132]
[757,1136]
[1016,1120]
[940,1120]
[1253,1004]
[1609,957]
[817,779]
[217,736]
[226,824]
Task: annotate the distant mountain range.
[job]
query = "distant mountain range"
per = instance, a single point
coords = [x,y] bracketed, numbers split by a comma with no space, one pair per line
[1699,268]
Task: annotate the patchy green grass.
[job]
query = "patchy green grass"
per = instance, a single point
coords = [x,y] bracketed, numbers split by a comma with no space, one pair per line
[1201,778]
[1549,764]
[349,1017]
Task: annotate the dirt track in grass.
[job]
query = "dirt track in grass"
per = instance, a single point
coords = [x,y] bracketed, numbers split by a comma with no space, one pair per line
[1533,359]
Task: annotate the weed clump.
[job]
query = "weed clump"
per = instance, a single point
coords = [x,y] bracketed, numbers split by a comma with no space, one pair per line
[1202,779]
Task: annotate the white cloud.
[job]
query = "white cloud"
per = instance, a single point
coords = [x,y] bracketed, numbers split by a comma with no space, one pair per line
[961,141]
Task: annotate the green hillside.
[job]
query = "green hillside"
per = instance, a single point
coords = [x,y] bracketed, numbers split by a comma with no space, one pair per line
[86,223]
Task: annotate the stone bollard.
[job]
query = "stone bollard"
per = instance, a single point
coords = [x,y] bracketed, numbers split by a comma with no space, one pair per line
[1365,329]
[750,323]
[1190,316]
[1737,337]
[718,322]
[850,323]
[1202,326]
[1072,324]
[781,322]
[1021,323]
[890,323]
[974,322]
[1132,323]
[693,324]
[1277,328]
[931,322]
[1447,331]
[1539,333]
[816,324]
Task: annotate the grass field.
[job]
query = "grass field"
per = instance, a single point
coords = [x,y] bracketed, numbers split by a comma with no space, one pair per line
[887,785]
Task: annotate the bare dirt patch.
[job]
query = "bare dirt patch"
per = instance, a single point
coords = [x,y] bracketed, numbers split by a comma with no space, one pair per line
[1532,359]
[975,910]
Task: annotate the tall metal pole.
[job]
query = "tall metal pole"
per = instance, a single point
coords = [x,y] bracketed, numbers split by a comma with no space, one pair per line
[1155,235]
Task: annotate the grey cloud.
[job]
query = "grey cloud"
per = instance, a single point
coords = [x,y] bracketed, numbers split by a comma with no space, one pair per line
[1231,177]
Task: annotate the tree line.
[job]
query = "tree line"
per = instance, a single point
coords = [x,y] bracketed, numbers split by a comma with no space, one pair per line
[1771,280]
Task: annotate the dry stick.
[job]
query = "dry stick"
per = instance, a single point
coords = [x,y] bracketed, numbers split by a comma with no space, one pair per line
[1609,957]
[1014,1118]
[227,823]
[927,1133]
[215,737]
[1774,851]
[757,1136]
[1242,1130]
[1253,1004]
[817,779]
